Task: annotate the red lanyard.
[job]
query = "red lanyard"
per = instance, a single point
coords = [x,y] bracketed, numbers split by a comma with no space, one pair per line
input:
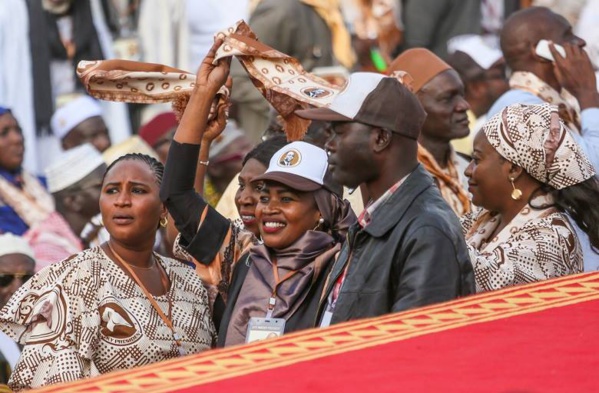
[164,318]
[278,281]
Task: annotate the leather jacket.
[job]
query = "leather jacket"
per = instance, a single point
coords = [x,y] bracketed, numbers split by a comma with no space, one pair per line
[411,254]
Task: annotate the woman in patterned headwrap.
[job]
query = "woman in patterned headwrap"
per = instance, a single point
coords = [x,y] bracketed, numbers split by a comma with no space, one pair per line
[114,306]
[531,179]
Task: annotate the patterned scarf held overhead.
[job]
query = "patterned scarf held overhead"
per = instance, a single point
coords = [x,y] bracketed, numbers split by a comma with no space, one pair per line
[280,78]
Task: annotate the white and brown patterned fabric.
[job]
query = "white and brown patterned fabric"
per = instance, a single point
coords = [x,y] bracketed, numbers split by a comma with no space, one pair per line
[280,78]
[84,316]
[536,245]
[568,107]
[536,139]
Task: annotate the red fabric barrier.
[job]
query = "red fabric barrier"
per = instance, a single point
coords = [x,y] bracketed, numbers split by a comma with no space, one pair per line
[542,337]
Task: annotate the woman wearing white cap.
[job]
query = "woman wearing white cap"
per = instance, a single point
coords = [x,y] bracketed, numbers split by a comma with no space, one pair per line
[112,307]
[275,286]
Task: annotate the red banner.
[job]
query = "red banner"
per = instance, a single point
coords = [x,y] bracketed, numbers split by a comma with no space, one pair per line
[542,337]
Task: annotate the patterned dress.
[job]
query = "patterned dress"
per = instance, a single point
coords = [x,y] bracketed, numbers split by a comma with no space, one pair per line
[536,245]
[84,316]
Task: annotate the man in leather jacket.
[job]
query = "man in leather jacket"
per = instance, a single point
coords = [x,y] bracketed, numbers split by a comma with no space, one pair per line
[407,249]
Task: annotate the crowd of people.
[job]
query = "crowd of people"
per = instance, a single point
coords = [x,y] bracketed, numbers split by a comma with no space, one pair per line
[454,157]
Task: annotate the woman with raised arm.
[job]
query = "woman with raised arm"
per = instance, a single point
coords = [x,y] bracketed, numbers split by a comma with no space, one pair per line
[299,216]
[112,307]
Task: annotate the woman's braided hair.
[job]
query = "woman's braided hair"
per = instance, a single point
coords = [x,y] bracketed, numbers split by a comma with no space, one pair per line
[155,166]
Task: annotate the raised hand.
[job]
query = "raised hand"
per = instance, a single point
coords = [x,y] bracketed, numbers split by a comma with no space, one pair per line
[209,76]
[575,73]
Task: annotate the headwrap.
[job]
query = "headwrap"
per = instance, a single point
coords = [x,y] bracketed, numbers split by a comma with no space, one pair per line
[4,110]
[280,78]
[337,213]
[422,64]
[536,139]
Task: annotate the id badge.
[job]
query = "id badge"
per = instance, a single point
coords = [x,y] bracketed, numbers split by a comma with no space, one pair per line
[264,328]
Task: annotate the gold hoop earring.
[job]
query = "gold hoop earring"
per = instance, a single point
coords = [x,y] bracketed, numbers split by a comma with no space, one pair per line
[516,192]
[163,222]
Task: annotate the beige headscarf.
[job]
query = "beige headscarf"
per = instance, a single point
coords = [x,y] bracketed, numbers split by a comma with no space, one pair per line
[536,139]
[280,78]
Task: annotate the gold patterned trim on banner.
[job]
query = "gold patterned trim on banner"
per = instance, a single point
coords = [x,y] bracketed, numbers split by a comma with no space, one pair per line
[313,344]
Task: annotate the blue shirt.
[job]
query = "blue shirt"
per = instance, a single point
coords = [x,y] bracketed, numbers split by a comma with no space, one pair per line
[588,140]
[9,219]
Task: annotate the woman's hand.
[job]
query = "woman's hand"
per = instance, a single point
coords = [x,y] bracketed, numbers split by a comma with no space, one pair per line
[211,77]
[216,126]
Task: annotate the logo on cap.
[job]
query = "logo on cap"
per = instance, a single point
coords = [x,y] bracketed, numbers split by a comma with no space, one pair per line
[316,92]
[290,158]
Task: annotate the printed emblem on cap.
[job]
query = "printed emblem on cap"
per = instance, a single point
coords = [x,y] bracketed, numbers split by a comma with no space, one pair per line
[316,92]
[290,158]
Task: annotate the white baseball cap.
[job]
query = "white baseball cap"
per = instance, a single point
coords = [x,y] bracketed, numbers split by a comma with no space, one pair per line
[12,244]
[298,165]
[476,48]
[72,166]
[74,113]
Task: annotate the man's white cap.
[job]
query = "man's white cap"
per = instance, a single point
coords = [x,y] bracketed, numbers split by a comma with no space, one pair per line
[72,114]
[229,134]
[477,48]
[133,144]
[11,244]
[298,165]
[72,166]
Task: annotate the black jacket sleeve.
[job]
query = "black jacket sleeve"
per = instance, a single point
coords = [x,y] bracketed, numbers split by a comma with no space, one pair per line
[186,206]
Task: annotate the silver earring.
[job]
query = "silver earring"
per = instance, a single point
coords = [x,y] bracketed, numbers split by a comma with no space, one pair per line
[319,223]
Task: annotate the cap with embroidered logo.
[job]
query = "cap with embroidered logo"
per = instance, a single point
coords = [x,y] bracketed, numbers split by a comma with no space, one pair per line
[298,165]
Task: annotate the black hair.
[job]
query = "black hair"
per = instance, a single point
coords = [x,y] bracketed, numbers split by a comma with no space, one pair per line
[579,201]
[264,151]
[155,166]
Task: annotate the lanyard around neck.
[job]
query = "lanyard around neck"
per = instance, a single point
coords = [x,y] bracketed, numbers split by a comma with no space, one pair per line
[278,281]
[163,316]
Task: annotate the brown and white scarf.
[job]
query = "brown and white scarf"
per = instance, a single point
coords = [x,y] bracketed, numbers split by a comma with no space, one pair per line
[280,78]
[448,181]
[568,107]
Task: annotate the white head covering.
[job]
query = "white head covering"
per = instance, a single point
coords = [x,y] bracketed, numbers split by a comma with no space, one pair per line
[133,144]
[72,166]
[477,48]
[12,244]
[72,114]
[230,133]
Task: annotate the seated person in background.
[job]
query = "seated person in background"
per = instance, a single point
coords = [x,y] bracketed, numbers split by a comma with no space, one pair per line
[26,208]
[17,265]
[112,307]
[482,69]
[80,121]
[441,93]
[570,83]
[75,181]
[526,173]
[224,161]
[158,133]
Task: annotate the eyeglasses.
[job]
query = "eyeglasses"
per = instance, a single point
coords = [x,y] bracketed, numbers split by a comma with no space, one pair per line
[6,279]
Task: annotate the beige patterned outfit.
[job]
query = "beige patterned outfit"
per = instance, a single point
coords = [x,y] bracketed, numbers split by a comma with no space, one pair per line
[539,242]
[536,245]
[85,316]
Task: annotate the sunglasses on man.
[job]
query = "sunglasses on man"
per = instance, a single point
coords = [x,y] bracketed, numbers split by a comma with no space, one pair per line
[7,279]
